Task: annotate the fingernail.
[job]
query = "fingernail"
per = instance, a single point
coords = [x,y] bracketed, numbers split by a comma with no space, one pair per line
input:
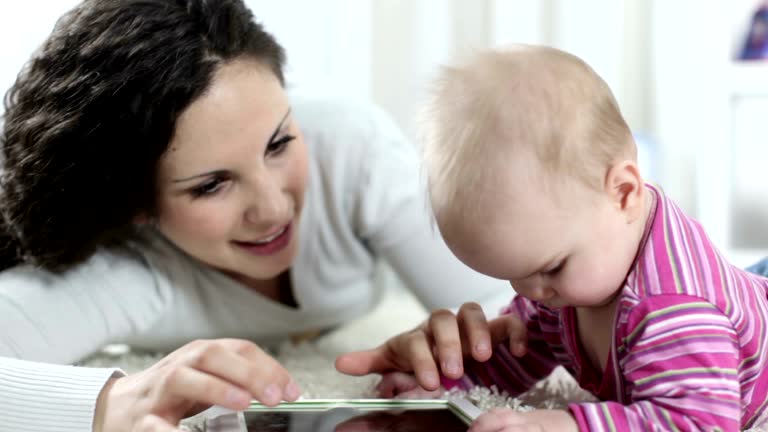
[238,397]
[482,348]
[430,379]
[519,348]
[271,395]
[451,366]
[292,391]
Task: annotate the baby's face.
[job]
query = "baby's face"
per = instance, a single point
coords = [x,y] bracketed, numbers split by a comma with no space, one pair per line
[563,245]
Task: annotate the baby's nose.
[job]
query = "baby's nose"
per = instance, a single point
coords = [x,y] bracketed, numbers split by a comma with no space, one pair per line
[541,293]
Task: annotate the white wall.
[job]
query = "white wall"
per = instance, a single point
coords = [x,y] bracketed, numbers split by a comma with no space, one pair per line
[23,27]
[327,43]
[412,38]
[388,49]
[669,63]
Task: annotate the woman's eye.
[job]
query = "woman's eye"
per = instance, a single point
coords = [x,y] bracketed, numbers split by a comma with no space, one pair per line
[276,147]
[208,188]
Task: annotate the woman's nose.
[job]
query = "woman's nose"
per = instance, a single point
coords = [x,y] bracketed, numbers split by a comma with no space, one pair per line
[266,205]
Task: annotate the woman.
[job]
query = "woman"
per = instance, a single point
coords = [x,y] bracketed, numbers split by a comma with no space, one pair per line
[159,188]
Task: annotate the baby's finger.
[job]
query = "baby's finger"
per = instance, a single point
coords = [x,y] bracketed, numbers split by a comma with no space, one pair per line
[359,363]
[447,339]
[419,393]
[512,328]
[396,383]
[496,420]
[473,324]
[419,352]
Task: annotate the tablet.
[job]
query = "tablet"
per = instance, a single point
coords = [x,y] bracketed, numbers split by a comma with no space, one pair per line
[351,415]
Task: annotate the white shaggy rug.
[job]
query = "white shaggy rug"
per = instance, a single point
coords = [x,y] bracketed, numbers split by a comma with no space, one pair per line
[311,363]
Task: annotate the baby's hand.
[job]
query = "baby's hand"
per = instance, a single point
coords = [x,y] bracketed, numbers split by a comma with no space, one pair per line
[509,420]
[403,385]
[444,339]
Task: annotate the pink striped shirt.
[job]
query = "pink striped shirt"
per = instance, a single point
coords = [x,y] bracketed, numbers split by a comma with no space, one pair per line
[689,346]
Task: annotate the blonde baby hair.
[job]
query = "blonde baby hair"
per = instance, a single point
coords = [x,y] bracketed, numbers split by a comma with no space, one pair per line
[521,98]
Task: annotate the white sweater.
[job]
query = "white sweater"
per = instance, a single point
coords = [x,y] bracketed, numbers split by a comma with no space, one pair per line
[364,200]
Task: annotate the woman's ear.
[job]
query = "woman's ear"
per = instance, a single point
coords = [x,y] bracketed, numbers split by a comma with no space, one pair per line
[626,189]
[142,219]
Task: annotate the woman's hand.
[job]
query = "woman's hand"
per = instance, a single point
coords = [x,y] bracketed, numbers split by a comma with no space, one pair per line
[225,372]
[439,345]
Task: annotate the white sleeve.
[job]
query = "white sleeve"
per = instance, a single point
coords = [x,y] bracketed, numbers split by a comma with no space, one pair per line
[396,221]
[38,397]
[62,318]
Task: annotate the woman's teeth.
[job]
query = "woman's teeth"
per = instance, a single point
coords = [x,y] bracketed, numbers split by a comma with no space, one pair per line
[272,237]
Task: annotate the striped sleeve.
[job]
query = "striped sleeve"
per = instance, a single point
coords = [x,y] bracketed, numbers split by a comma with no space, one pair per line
[45,397]
[680,360]
[513,374]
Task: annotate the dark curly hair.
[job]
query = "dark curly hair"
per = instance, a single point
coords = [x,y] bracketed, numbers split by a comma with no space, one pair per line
[90,115]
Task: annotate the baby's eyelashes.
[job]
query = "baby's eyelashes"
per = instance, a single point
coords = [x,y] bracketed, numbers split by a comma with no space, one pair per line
[553,271]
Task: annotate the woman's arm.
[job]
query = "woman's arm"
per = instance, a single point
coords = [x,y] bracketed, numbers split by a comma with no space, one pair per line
[225,372]
[62,318]
[38,397]
[114,296]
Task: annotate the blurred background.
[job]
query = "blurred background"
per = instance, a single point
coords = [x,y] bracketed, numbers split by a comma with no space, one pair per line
[694,93]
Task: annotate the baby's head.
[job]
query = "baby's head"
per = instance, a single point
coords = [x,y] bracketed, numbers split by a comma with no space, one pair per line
[533,176]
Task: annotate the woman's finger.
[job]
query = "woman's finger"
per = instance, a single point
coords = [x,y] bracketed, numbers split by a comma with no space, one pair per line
[188,384]
[267,370]
[153,423]
[247,366]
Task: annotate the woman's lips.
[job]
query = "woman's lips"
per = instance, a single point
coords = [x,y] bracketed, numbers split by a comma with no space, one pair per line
[274,242]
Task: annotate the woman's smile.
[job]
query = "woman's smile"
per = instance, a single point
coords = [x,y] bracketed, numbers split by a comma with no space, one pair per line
[268,245]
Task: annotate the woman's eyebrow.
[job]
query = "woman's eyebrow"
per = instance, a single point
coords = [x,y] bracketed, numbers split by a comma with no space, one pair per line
[222,172]
[279,127]
[205,174]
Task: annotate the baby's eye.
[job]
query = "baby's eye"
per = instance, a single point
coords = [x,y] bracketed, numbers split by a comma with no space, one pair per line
[208,188]
[555,270]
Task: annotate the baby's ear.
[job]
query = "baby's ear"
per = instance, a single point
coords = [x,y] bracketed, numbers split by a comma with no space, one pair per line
[626,188]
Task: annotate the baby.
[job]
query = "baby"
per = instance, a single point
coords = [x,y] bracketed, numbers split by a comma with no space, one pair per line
[533,178]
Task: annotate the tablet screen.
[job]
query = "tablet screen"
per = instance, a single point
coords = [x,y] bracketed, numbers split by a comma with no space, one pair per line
[355,420]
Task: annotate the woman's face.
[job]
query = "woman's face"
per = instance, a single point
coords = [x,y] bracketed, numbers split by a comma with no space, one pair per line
[231,185]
